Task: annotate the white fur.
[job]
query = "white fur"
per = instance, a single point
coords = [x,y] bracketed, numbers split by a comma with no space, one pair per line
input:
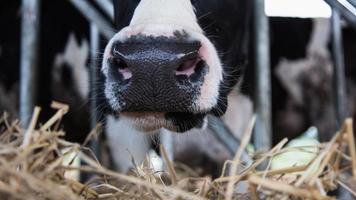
[75,55]
[110,95]
[166,12]
[126,143]
[163,18]
[318,44]
[209,92]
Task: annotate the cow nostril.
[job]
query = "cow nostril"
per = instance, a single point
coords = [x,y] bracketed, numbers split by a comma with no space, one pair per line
[187,67]
[123,68]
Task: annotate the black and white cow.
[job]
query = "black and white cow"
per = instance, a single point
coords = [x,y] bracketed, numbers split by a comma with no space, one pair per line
[171,64]
[302,70]
[163,71]
[63,54]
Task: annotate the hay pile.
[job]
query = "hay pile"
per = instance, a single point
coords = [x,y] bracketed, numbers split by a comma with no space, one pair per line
[31,168]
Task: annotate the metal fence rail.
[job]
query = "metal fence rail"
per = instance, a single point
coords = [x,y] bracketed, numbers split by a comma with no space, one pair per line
[93,16]
[339,82]
[94,49]
[29,57]
[107,6]
[263,130]
[346,8]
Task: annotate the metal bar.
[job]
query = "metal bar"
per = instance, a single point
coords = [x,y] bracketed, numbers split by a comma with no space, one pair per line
[107,6]
[346,13]
[348,6]
[94,49]
[339,82]
[94,16]
[263,128]
[223,134]
[352,2]
[93,77]
[29,57]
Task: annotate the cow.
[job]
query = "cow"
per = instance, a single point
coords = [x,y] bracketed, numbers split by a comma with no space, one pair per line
[170,65]
[302,76]
[162,70]
[57,80]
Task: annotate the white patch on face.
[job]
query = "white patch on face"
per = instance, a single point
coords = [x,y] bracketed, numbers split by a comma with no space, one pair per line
[126,143]
[179,13]
[75,56]
[209,91]
[110,95]
[165,18]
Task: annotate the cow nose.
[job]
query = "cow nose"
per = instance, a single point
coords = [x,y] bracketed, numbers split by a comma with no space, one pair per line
[154,76]
[180,65]
[181,60]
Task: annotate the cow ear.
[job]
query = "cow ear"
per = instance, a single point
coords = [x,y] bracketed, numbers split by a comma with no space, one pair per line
[123,12]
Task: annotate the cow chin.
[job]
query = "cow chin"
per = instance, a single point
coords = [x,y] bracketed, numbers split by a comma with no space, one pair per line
[152,122]
[148,122]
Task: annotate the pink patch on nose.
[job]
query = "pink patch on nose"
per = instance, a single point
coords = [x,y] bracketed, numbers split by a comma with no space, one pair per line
[123,68]
[204,51]
[126,73]
[187,67]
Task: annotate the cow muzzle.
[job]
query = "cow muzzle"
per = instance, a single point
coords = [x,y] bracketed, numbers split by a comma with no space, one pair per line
[161,71]
[157,74]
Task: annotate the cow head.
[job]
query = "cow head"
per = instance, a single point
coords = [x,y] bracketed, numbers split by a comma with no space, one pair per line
[162,71]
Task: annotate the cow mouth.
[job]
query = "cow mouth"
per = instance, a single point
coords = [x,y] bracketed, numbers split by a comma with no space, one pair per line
[148,121]
[151,122]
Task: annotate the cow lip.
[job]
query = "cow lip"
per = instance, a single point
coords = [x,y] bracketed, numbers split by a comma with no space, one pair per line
[148,121]
[151,122]
[136,115]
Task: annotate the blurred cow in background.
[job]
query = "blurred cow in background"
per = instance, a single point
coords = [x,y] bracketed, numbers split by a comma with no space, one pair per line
[302,70]
[63,53]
